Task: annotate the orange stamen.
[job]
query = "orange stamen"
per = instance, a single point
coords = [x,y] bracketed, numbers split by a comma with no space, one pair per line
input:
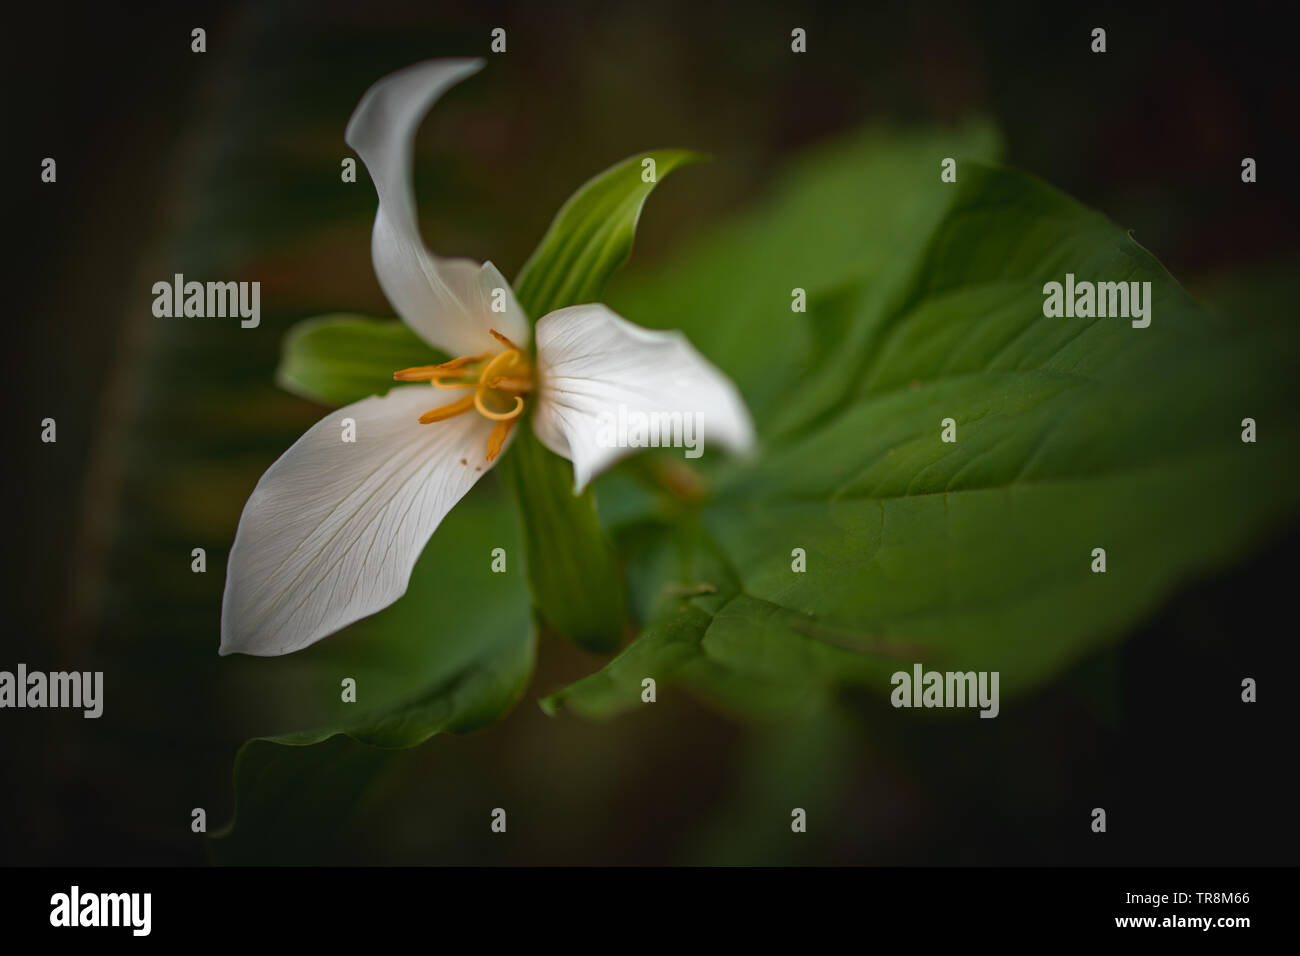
[422,372]
[503,340]
[449,411]
[498,437]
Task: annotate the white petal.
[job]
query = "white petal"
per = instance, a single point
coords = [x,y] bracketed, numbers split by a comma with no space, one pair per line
[595,366]
[447,301]
[333,528]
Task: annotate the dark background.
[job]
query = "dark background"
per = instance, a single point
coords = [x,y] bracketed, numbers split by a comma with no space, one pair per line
[230,160]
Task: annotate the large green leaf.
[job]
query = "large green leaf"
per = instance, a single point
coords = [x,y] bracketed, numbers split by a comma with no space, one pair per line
[1072,434]
[340,359]
[451,656]
[572,569]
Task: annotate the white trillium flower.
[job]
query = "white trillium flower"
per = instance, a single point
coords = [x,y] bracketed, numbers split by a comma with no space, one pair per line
[333,529]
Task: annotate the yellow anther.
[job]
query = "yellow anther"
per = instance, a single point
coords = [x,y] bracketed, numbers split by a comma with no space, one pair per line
[498,437]
[421,373]
[503,340]
[458,407]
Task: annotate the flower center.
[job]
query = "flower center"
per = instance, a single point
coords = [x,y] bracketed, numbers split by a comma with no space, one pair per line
[500,382]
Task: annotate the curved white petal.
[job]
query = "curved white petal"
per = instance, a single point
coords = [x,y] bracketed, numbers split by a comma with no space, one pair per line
[333,528]
[447,301]
[598,373]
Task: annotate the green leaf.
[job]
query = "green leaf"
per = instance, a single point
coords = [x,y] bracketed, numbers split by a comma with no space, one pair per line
[451,656]
[340,359]
[572,569]
[1072,434]
[592,234]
